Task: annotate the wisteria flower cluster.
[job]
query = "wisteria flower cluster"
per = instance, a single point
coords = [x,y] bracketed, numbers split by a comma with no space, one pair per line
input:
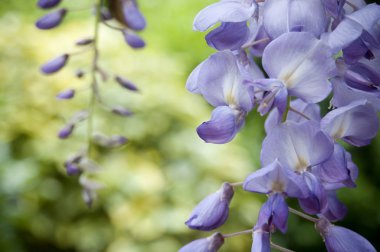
[123,16]
[310,50]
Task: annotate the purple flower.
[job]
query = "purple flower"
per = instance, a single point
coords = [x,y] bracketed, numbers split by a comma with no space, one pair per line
[133,40]
[302,63]
[55,64]
[335,210]
[339,239]
[224,11]
[66,94]
[297,146]
[47,4]
[274,212]
[110,142]
[209,244]
[212,211]
[316,202]
[126,83]
[220,80]
[51,20]
[356,123]
[282,16]
[228,36]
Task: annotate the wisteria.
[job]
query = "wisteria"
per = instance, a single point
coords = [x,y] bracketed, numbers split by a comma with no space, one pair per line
[123,16]
[312,53]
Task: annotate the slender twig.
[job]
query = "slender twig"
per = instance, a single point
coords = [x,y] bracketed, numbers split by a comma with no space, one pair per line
[94,83]
[299,113]
[248,231]
[275,246]
[112,27]
[305,216]
[249,44]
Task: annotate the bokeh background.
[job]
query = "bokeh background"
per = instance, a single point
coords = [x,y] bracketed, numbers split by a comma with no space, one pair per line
[152,184]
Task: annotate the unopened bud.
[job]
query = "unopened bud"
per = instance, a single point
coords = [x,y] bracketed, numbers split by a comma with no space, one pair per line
[55,64]
[51,20]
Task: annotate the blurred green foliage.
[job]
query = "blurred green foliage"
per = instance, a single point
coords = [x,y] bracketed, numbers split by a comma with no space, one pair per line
[152,184]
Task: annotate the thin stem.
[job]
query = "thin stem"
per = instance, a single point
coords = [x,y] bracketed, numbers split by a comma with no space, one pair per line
[112,27]
[285,115]
[353,6]
[80,52]
[248,231]
[94,83]
[255,42]
[237,184]
[305,216]
[299,113]
[275,246]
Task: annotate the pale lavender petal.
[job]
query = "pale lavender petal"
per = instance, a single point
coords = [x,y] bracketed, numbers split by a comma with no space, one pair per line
[209,244]
[303,63]
[228,36]
[297,146]
[224,11]
[280,212]
[192,82]
[306,16]
[66,94]
[212,211]
[356,123]
[220,82]
[223,125]
[51,20]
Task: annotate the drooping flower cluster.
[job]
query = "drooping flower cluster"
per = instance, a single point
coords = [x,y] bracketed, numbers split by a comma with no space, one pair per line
[125,17]
[309,49]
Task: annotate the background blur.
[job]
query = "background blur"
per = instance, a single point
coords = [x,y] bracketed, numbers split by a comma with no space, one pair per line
[152,184]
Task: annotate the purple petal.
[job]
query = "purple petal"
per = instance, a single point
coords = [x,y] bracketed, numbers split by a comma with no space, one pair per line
[192,82]
[223,126]
[220,82]
[212,211]
[356,123]
[55,64]
[209,244]
[66,131]
[342,239]
[51,20]
[306,16]
[316,202]
[275,179]
[297,146]
[344,95]
[261,241]
[228,36]
[47,4]
[66,94]
[303,63]
[224,11]
[132,15]
[335,210]
[334,170]
[133,40]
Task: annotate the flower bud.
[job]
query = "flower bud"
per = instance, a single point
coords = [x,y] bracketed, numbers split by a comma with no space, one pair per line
[127,13]
[72,169]
[83,42]
[47,4]
[105,14]
[55,64]
[66,94]
[51,20]
[79,73]
[110,142]
[212,211]
[133,40]
[126,83]
[209,244]
[121,111]
[66,131]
